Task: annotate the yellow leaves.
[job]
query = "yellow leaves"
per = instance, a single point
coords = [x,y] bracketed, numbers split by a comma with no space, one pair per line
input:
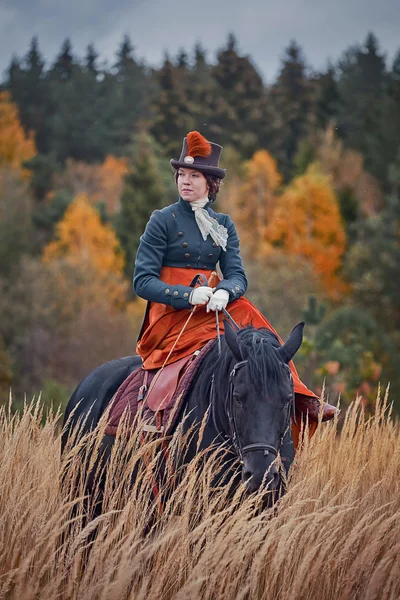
[255,200]
[262,173]
[303,220]
[307,223]
[15,146]
[84,243]
[112,173]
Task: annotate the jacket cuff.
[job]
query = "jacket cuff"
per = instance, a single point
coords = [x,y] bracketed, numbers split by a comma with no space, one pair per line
[234,290]
[177,296]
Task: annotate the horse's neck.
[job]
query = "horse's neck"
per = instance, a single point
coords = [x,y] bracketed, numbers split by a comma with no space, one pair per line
[211,404]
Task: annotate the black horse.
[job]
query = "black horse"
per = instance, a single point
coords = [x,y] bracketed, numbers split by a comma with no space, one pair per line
[244,385]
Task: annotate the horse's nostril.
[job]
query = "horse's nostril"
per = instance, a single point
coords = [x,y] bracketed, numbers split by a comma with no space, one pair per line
[246,475]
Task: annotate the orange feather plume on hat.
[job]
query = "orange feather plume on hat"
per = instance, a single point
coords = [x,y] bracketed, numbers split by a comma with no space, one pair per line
[197,144]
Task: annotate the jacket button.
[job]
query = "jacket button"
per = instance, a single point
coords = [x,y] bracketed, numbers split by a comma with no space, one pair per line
[180,233]
[173,214]
[176,293]
[214,245]
[185,245]
[187,255]
[210,255]
[185,295]
[237,288]
[188,266]
[204,267]
[166,290]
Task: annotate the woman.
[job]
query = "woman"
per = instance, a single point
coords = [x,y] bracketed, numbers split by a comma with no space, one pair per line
[185,239]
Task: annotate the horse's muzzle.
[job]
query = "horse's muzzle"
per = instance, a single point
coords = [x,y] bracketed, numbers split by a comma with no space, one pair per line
[254,477]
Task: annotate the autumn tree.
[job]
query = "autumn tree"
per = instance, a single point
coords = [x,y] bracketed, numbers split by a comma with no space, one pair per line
[92,248]
[359,193]
[15,146]
[254,201]
[307,223]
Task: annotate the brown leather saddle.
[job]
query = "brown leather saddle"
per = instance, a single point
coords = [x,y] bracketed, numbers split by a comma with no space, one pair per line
[165,383]
[158,395]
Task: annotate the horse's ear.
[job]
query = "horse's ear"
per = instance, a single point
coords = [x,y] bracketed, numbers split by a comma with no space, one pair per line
[232,341]
[292,344]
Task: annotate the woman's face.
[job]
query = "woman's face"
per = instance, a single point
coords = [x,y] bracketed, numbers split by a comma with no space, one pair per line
[192,185]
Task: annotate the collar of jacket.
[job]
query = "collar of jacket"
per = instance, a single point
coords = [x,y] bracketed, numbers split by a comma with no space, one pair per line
[186,205]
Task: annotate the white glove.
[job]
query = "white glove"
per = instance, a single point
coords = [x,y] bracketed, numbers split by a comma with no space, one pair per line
[219,300]
[200,295]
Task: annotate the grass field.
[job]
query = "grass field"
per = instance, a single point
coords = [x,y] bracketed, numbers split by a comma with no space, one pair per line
[335,535]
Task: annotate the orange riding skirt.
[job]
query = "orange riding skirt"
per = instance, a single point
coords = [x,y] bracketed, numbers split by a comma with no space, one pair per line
[163,324]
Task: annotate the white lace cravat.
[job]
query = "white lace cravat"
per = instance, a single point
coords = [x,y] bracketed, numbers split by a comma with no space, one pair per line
[208,225]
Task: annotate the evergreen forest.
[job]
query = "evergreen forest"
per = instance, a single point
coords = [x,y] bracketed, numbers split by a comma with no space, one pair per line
[313,185]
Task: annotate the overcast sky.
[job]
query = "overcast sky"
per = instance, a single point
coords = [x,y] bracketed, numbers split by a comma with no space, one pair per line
[263,27]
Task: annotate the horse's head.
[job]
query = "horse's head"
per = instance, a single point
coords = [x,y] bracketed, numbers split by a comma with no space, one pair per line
[260,400]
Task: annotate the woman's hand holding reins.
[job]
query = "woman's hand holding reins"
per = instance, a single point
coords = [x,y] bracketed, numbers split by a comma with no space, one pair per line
[218,300]
[201,295]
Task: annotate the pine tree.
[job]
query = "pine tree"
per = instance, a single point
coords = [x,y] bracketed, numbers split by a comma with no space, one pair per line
[64,64]
[144,191]
[91,59]
[292,100]
[182,59]
[209,110]
[390,121]
[133,95]
[372,265]
[77,125]
[28,86]
[362,82]
[173,111]
[327,98]
[243,91]
[200,57]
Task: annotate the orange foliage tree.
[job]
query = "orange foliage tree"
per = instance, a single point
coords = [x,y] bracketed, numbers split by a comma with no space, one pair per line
[15,146]
[84,243]
[100,183]
[307,223]
[253,202]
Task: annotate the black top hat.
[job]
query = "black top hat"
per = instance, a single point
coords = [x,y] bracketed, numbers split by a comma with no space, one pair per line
[200,154]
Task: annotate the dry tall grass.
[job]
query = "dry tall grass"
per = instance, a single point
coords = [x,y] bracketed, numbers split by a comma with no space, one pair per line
[335,535]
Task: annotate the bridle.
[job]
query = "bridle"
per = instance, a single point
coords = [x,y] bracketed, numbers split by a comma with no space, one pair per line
[241,451]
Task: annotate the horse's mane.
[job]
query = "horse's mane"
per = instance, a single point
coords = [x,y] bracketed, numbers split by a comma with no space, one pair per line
[257,346]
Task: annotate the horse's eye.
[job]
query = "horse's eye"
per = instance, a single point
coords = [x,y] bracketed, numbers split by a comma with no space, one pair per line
[237,399]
